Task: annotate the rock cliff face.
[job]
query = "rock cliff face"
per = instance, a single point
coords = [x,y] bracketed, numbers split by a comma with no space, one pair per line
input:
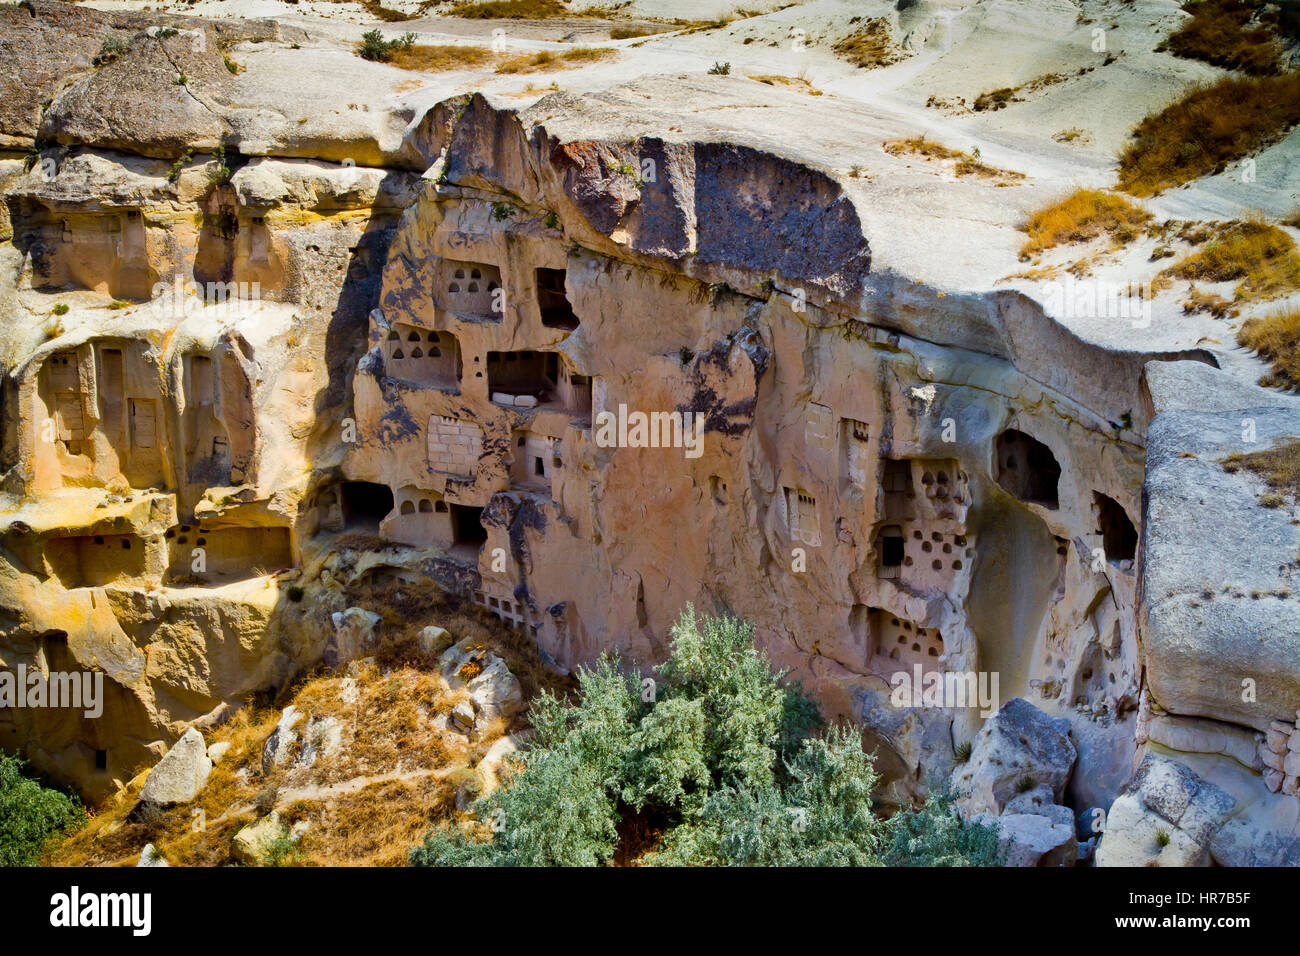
[582,363]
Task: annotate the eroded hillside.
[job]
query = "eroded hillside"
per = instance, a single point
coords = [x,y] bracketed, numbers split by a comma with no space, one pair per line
[287,329]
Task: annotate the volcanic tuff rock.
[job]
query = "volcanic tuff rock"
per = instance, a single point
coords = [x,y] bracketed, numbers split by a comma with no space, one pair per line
[374,340]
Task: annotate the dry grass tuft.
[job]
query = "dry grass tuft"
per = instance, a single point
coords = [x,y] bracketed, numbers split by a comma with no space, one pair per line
[870,46]
[1207,129]
[440,59]
[511,10]
[1226,33]
[632,32]
[1276,338]
[1083,215]
[1258,256]
[1279,466]
[797,83]
[552,60]
[389,710]
[964,163]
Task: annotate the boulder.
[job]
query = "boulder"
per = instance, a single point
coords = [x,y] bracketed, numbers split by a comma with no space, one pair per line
[181,774]
[150,856]
[1209,620]
[279,747]
[1018,749]
[462,717]
[1167,816]
[253,844]
[489,768]
[354,633]
[433,640]
[323,737]
[1039,802]
[1029,839]
[496,691]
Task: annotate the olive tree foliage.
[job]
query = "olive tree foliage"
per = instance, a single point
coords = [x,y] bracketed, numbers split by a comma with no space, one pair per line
[31,816]
[723,754]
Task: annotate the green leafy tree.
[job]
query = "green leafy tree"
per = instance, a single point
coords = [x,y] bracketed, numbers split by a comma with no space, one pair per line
[30,815]
[934,835]
[723,752]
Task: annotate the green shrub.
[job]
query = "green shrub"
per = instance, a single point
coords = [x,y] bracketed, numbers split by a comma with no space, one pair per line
[30,815]
[375,47]
[714,763]
[934,835]
[720,69]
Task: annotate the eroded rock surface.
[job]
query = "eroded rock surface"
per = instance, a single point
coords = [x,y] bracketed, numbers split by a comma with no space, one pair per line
[308,321]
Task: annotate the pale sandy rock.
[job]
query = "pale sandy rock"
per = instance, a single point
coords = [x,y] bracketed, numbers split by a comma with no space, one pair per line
[489,768]
[181,774]
[1039,801]
[218,750]
[151,857]
[1031,839]
[322,737]
[1020,744]
[1167,803]
[281,744]
[252,845]
[1207,624]
[462,717]
[433,640]
[355,632]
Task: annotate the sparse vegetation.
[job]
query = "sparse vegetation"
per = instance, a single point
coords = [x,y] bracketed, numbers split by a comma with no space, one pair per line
[1081,216]
[391,716]
[31,816]
[374,47]
[61,309]
[1228,33]
[510,10]
[554,59]
[964,164]
[994,99]
[440,59]
[112,48]
[633,32]
[221,172]
[180,163]
[869,46]
[1279,466]
[1258,256]
[1162,838]
[999,98]
[1276,338]
[720,69]
[721,767]
[1207,129]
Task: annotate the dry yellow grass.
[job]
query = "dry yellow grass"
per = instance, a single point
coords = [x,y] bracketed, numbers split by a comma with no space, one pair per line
[1279,466]
[793,82]
[1258,256]
[511,10]
[552,60]
[870,46]
[1081,216]
[964,164]
[390,724]
[1207,129]
[1226,33]
[1276,338]
[440,59]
